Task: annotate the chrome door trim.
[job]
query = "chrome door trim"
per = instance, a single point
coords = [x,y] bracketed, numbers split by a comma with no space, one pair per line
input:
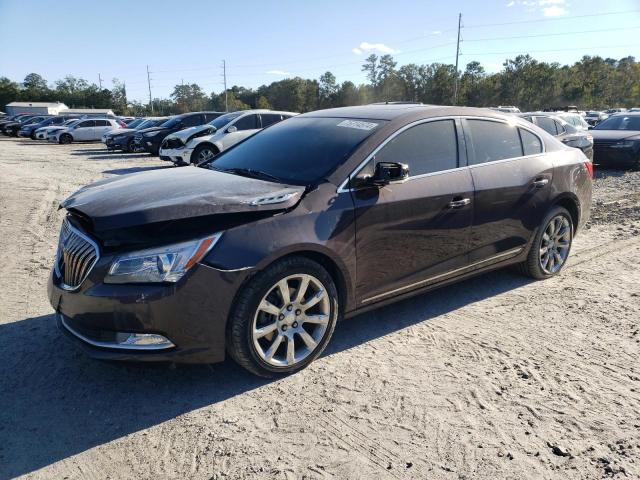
[509,253]
[519,123]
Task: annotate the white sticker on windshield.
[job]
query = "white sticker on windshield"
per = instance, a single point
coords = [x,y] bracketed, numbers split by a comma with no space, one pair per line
[358,124]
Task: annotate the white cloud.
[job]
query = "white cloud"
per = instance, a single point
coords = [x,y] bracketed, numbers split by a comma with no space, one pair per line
[554,11]
[436,32]
[373,47]
[511,3]
[277,72]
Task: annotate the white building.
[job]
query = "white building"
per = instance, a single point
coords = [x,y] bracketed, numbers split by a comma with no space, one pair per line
[51,108]
[88,111]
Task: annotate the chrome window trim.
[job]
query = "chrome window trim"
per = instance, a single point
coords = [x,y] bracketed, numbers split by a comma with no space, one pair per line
[343,186]
[509,253]
[114,345]
[63,285]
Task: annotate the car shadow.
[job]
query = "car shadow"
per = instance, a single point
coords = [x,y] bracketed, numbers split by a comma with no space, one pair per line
[118,156]
[125,171]
[56,402]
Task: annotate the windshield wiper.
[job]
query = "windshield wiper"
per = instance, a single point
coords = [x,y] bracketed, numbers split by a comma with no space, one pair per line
[251,173]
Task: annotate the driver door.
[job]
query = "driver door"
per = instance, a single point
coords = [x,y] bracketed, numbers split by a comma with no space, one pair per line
[417,232]
[84,130]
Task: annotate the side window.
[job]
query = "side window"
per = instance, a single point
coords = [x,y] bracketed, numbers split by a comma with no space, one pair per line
[547,124]
[210,116]
[192,121]
[493,141]
[270,119]
[426,148]
[86,123]
[530,143]
[248,122]
[559,128]
[102,123]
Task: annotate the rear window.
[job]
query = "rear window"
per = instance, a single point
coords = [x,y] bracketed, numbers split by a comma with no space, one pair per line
[531,144]
[547,124]
[492,141]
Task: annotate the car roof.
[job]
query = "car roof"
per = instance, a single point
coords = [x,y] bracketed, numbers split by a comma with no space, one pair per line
[397,111]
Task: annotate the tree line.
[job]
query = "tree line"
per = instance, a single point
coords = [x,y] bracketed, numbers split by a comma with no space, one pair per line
[591,83]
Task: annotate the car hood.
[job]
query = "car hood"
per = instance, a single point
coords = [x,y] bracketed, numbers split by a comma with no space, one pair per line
[163,195]
[614,134]
[151,129]
[187,132]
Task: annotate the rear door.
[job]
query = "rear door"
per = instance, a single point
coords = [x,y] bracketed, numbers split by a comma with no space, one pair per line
[416,232]
[102,127]
[512,179]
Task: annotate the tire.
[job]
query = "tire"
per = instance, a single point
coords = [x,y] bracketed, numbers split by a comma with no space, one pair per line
[130,147]
[200,152]
[560,237]
[252,332]
[33,135]
[65,139]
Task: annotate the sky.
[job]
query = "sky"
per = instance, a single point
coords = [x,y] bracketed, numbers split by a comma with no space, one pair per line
[266,40]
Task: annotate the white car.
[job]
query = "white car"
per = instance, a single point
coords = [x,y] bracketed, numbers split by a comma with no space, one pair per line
[86,130]
[43,133]
[199,144]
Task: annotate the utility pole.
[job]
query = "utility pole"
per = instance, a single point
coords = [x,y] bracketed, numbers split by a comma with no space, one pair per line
[100,81]
[224,76]
[455,85]
[149,83]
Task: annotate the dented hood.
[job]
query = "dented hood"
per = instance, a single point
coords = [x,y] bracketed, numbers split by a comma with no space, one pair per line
[175,194]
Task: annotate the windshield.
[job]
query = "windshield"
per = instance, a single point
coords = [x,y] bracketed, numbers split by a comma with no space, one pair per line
[173,121]
[620,122]
[70,123]
[135,123]
[144,124]
[300,151]
[223,120]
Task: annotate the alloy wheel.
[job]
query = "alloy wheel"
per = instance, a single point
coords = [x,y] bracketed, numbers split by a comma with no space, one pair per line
[291,320]
[205,154]
[556,241]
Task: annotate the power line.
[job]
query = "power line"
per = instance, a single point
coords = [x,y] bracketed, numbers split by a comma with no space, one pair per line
[572,17]
[475,54]
[553,34]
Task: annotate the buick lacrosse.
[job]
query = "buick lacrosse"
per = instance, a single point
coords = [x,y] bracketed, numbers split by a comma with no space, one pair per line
[322,216]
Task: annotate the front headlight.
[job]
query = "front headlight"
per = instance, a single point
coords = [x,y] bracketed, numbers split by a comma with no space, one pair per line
[624,144]
[160,264]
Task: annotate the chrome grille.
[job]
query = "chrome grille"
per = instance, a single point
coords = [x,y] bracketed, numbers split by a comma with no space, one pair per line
[76,256]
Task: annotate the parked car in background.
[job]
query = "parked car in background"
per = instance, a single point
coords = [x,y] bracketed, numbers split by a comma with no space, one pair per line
[612,111]
[634,109]
[325,215]
[574,119]
[199,144]
[29,131]
[13,118]
[563,131]
[150,139]
[617,141]
[123,139]
[506,109]
[86,130]
[11,128]
[42,133]
[593,117]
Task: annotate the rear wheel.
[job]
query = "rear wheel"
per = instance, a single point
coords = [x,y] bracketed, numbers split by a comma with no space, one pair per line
[203,153]
[130,146]
[284,318]
[551,245]
[65,139]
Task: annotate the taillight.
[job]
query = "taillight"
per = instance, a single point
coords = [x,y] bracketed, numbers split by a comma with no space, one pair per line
[589,166]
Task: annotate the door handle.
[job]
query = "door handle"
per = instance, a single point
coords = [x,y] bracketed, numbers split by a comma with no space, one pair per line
[459,203]
[540,182]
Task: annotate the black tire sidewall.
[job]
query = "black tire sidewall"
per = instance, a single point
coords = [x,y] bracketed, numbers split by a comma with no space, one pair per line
[259,286]
[198,150]
[534,254]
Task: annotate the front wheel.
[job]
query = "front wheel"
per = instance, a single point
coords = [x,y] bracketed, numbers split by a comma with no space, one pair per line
[203,153]
[551,245]
[65,139]
[283,318]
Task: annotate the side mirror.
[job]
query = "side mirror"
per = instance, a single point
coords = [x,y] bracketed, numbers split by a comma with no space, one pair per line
[232,129]
[388,172]
[211,130]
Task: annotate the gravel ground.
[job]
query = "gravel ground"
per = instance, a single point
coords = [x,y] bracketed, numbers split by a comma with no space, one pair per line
[496,377]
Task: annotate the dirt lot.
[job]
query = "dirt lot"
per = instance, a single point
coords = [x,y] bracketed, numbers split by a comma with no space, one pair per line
[496,377]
